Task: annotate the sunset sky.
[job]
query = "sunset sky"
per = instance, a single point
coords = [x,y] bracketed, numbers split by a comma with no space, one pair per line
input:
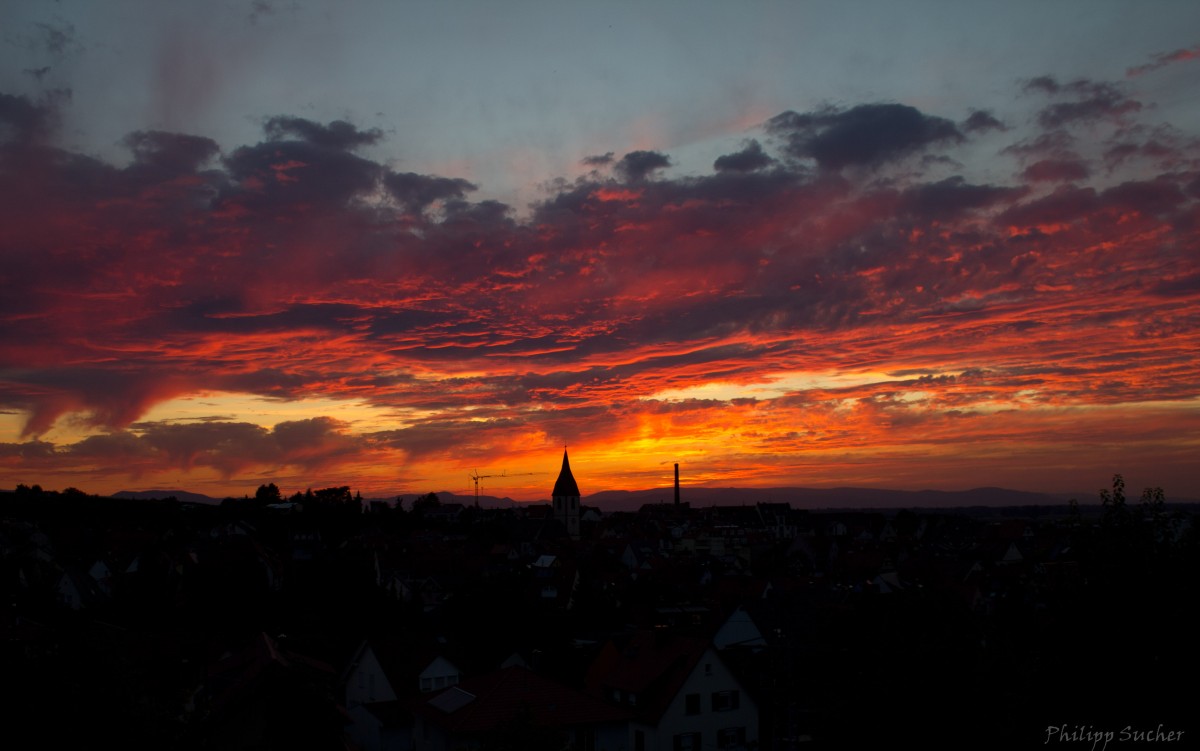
[388,244]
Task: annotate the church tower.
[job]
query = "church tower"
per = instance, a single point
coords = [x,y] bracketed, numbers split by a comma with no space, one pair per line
[566,499]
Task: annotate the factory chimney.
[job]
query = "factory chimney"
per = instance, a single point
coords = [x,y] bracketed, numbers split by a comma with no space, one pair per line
[676,483]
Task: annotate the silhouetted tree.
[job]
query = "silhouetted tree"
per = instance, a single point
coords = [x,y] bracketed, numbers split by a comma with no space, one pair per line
[339,494]
[268,494]
[426,502]
[1116,510]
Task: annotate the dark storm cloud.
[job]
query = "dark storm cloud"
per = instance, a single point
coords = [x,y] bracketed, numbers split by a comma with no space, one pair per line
[229,316]
[1057,115]
[300,172]
[866,135]
[1193,187]
[274,378]
[105,396]
[1152,197]
[21,120]
[981,121]
[748,159]
[1056,170]
[415,192]
[229,447]
[1184,286]
[171,152]
[1044,84]
[464,216]
[338,134]
[1092,100]
[638,165]
[315,438]
[762,187]
[29,451]
[1160,197]
[439,435]
[954,196]
[117,447]
[599,160]
[1165,147]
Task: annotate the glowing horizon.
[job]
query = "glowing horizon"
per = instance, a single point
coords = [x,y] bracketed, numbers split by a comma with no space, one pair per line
[868,275]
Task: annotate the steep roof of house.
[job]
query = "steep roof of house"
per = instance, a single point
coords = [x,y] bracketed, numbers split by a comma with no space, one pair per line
[649,664]
[244,672]
[486,702]
[565,484]
[402,662]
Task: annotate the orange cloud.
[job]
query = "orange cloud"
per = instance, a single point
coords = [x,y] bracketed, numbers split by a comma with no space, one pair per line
[1035,334]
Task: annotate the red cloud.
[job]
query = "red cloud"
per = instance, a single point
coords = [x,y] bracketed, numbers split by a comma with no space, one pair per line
[1015,316]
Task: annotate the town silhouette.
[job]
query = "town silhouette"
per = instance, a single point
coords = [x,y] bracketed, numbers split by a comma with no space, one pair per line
[326,621]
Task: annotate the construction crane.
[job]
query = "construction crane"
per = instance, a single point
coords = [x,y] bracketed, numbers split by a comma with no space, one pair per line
[504,473]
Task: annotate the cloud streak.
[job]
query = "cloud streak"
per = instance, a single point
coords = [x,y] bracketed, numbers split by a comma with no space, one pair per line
[1164,59]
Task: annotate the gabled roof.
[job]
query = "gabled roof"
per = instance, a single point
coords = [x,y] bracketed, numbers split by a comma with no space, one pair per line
[486,702]
[565,484]
[651,665]
[402,663]
[739,630]
[240,674]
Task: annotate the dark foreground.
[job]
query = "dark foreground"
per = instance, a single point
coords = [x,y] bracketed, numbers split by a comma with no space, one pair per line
[166,625]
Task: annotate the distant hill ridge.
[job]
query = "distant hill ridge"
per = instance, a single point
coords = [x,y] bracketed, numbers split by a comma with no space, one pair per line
[813,498]
[182,496]
[801,498]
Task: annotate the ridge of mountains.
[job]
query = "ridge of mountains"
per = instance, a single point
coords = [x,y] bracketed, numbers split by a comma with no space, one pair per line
[798,497]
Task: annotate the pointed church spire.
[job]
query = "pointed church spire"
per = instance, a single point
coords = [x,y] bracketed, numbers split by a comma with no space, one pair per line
[565,484]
